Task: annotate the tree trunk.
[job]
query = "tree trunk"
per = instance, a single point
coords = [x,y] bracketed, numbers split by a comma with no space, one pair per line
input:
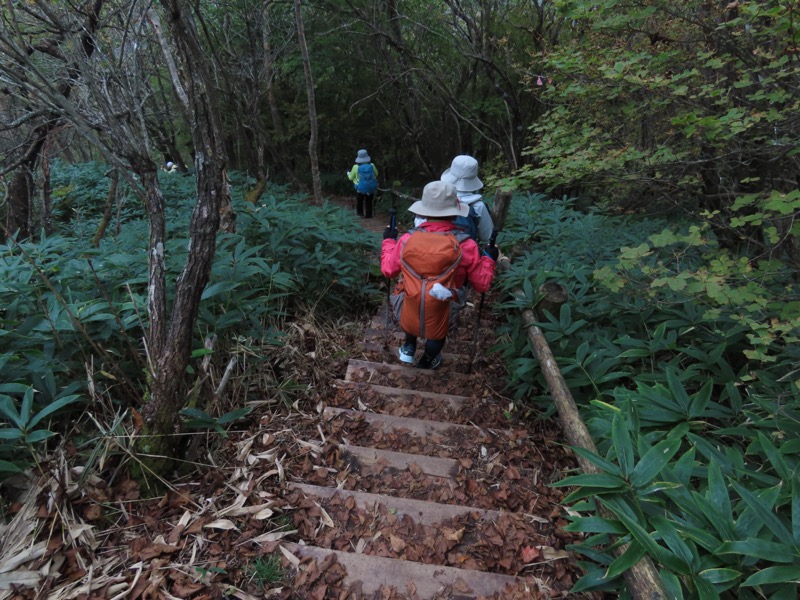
[110,202]
[45,218]
[312,107]
[502,201]
[170,342]
[18,202]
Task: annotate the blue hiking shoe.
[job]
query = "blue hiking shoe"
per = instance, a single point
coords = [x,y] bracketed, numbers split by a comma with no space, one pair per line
[407,353]
[429,363]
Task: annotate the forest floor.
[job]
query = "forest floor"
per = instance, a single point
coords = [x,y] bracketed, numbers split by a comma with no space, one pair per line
[234,523]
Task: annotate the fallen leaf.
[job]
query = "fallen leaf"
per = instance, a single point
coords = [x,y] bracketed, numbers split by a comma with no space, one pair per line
[528,554]
[220,524]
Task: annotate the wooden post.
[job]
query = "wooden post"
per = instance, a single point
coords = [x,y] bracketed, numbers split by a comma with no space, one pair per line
[502,200]
[554,296]
[642,578]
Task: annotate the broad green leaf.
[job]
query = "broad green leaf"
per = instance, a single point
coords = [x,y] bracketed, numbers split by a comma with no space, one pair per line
[700,400]
[672,585]
[598,480]
[9,467]
[717,492]
[772,575]
[796,508]
[37,436]
[720,575]
[596,525]
[724,527]
[758,548]
[684,467]
[9,410]
[653,461]
[775,458]
[13,388]
[643,537]
[25,408]
[623,446]
[670,536]
[591,581]
[700,536]
[53,407]
[677,390]
[764,512]
[705,591]
[196,413]
[10,434]
[604,464]
[787,591]
[234,415]
[630,557]
[221,287]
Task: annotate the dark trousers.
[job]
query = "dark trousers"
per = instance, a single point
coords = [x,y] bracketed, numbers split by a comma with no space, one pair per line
[432,347]
[364,205]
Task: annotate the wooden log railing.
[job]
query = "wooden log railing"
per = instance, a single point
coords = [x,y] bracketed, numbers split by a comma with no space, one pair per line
[642,578]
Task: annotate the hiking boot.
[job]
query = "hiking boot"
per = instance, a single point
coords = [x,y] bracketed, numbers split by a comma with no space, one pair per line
[429,363]
[407,353]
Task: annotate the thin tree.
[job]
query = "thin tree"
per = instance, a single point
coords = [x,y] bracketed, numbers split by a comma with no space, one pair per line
[110,112]
[312,107]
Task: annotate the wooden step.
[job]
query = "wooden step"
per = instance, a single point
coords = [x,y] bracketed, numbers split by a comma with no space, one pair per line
[379,321]
[400,394]
[418,427]
[402,371]
[375,572]
[421,511]
[430,465]
[380,334]
[391,353]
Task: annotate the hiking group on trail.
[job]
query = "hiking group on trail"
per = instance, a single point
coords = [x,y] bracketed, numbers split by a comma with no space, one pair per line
[436,260]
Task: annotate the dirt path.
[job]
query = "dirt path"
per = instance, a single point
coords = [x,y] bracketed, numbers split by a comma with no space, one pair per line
[425,487]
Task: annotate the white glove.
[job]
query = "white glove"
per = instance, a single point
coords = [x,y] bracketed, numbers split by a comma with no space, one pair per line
[440,292]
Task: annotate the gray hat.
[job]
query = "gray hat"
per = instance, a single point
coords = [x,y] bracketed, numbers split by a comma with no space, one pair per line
[439,200]
[362,157]
[463,173]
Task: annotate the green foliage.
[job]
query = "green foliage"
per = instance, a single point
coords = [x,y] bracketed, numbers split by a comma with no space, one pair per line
[20,429]
[265,570]
[199,419]
[697,436]
[697,109]
[751,291]
[69,307]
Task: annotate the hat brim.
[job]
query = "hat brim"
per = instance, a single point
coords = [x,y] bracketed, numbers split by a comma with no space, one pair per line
[361,161]
[459,210]
[464,184]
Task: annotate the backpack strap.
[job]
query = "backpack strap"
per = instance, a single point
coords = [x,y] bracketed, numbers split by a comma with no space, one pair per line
[458,233]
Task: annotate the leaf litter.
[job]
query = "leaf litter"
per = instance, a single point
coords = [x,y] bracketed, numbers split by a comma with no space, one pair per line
[204,537]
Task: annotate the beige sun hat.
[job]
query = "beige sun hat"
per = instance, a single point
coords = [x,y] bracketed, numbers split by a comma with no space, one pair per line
[439,199]
[463,173]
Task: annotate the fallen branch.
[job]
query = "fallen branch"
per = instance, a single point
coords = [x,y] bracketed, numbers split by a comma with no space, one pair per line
[642,578]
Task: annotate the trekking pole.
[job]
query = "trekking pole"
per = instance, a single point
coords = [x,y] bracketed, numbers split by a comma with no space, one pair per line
[392,227]
[475,330]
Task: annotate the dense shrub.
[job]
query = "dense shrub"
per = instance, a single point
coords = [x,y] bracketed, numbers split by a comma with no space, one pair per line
[697,432]
[69,308]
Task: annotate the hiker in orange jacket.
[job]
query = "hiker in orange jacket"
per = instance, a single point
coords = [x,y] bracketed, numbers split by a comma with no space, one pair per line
[436,258]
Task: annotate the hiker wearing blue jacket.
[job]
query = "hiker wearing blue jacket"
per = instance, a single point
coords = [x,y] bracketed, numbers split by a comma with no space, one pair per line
[364,176]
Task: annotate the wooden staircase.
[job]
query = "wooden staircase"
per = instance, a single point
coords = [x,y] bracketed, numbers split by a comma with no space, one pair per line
[408,494]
